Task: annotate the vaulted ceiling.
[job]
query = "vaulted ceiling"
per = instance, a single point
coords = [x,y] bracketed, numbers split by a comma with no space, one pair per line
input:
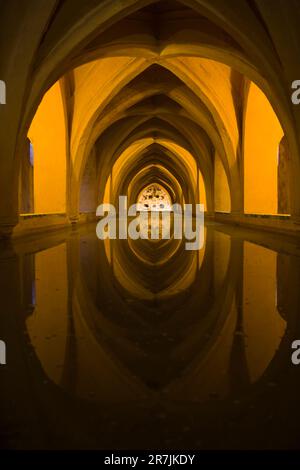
[160,84]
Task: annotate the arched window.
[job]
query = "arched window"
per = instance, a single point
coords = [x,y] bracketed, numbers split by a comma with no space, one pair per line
[31,154]
[154,197]
[283,163]
[26,180]
[262,134]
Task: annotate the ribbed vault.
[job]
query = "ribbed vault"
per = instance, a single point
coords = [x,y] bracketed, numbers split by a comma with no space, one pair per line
[177,72]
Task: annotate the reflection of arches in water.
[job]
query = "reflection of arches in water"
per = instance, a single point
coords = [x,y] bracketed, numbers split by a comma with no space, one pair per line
[263,324]
[154,197]
[165,275]
[28,284]
[48,326]
[194,337]
[166,344]
[283,285]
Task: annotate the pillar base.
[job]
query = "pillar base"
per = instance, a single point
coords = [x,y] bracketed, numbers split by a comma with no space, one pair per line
[6,229]
[74,219]
[295,219]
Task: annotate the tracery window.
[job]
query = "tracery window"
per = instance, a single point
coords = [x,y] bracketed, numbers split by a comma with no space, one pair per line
[154,197]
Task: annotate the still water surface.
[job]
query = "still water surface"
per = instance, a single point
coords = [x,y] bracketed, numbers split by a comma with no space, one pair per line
[142,344]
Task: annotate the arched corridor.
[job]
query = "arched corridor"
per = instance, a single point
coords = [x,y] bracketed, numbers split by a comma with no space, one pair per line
[168,103]
[171,88]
